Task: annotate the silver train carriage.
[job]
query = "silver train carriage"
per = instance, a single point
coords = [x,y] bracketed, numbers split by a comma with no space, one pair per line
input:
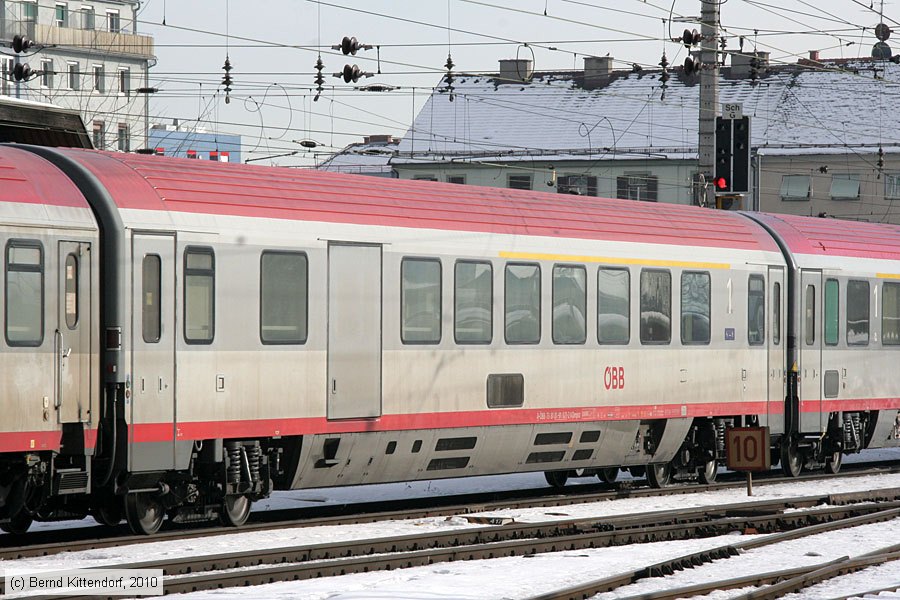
[182,337]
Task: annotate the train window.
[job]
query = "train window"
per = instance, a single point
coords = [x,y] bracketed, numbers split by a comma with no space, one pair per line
[756,310]
[24,293]
[858,313]
[656,307]
[283,291]
[71,290]
[569,305]
[890,314]
[473,303]
[151,311]
[832,311]
[523,304]
[199,295]
[810,324]
[776,313]
[613,306]
[695,303]
[420,306]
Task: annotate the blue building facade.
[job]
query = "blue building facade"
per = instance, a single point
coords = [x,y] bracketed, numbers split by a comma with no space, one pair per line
[169,140]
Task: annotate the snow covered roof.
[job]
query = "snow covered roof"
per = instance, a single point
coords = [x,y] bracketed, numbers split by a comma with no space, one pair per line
[798,109]
[367,158]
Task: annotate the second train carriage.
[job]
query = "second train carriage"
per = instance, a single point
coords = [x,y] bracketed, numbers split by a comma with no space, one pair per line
[256,328]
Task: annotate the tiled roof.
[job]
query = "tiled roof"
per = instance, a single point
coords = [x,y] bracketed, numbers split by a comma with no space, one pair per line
[795,108]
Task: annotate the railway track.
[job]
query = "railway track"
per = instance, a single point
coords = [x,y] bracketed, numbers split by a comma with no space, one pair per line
[48,543]
[513,539]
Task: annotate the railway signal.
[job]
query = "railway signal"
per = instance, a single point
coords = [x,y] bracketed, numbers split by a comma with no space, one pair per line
[732,157]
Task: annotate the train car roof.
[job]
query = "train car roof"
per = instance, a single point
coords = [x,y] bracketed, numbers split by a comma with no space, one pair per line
[833,237]
[28,179]
[207,187]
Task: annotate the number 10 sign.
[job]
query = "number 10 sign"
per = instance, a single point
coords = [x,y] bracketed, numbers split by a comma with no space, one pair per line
[747,449]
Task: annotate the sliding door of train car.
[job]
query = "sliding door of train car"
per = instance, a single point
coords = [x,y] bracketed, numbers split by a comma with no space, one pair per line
[354,331]
[810,344]
[72,343]
[152,431]
[777,345]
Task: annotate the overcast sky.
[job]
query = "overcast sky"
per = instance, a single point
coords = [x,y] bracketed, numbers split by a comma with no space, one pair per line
[273,46]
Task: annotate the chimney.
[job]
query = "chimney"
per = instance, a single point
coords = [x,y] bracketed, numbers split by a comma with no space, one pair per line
[597,70]
[381,138]
[814,55]
[516,70]
[740,64]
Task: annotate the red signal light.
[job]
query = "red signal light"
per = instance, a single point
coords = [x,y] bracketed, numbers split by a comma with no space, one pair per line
[720,183]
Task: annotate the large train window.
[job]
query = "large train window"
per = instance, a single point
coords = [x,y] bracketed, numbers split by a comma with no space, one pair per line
[613,306]
[756,310]
[473,321]
[151,292]
[776,313]
[283,292]
[24,293]
[420,301]
[522,304]
[832,311]
[695,303]
[656,307]
[858,313]
[199,295]
[810,316]
[569,304]
[890,314]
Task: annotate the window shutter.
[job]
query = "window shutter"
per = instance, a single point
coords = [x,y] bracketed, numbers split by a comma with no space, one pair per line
[591,186]
[622,187]
[652,189]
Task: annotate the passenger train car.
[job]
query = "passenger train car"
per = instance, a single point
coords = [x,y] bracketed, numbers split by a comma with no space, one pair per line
[181,337]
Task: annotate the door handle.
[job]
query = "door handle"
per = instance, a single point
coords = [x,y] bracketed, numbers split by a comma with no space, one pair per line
[334,386]
[60,356]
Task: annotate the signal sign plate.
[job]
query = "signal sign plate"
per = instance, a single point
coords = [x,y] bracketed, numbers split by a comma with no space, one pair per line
[732,111]
[747,449]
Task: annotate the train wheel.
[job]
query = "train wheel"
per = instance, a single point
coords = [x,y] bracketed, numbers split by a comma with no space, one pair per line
[144,513]
[707,473]
[235,510]
[110,512]
[18,523]
[608,475]
[556,479]
[791,462]
[659,475]
[833,463]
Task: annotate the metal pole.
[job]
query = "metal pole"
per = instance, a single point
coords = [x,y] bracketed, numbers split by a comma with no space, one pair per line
[709,94]
[750,482]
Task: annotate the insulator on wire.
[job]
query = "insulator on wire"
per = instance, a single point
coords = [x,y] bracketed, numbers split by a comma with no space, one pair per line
[691,37]
[449,77]
[880,162]
[350,45]
[692,65]
[754,69]
[319,79]
[21,43]
[352,73]
[22,72]
[664,63]
[227,79]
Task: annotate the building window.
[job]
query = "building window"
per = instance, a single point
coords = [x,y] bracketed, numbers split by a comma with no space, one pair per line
[30,12]
[473,303]
[832,311]
[424,178]
[518,182]
[199,295]
[61,18]
[522,304]
[892,186]
[845,186]
[420,301]
[24,293]
[890,314]
[99,135]
[458,179]
[6,67]
[656,307]
[98,78]
[74,76]
[151,306]
[125,82]
[284,284]
[581,185]
[640,186]
[112,21]
[795,188]
[756,310]
[569,305]
[613,306]
[88,19]
[124,138]
[47,73]
[695,308]
[858,313]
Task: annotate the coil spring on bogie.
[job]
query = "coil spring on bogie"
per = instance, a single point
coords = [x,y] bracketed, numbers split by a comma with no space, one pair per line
[852,431]
[233,451]
[720,437]
[254,458]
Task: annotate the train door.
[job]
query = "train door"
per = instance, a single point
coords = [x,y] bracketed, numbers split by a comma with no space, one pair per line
[810,343]
[354,331]
[72,338]
[152,431]
[776,344]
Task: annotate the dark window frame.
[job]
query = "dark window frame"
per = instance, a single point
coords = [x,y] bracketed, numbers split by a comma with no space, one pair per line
[776,313]
[158,315]
[627,272]
[292,342]
[540,304]
[837,310]
[762,338]
[20,243]
[455,311]
[72,325]
[708,310]
[809,335]
[440,296]
[584,270]
[207,250]
[853,283]
[884,285]
[668,340]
